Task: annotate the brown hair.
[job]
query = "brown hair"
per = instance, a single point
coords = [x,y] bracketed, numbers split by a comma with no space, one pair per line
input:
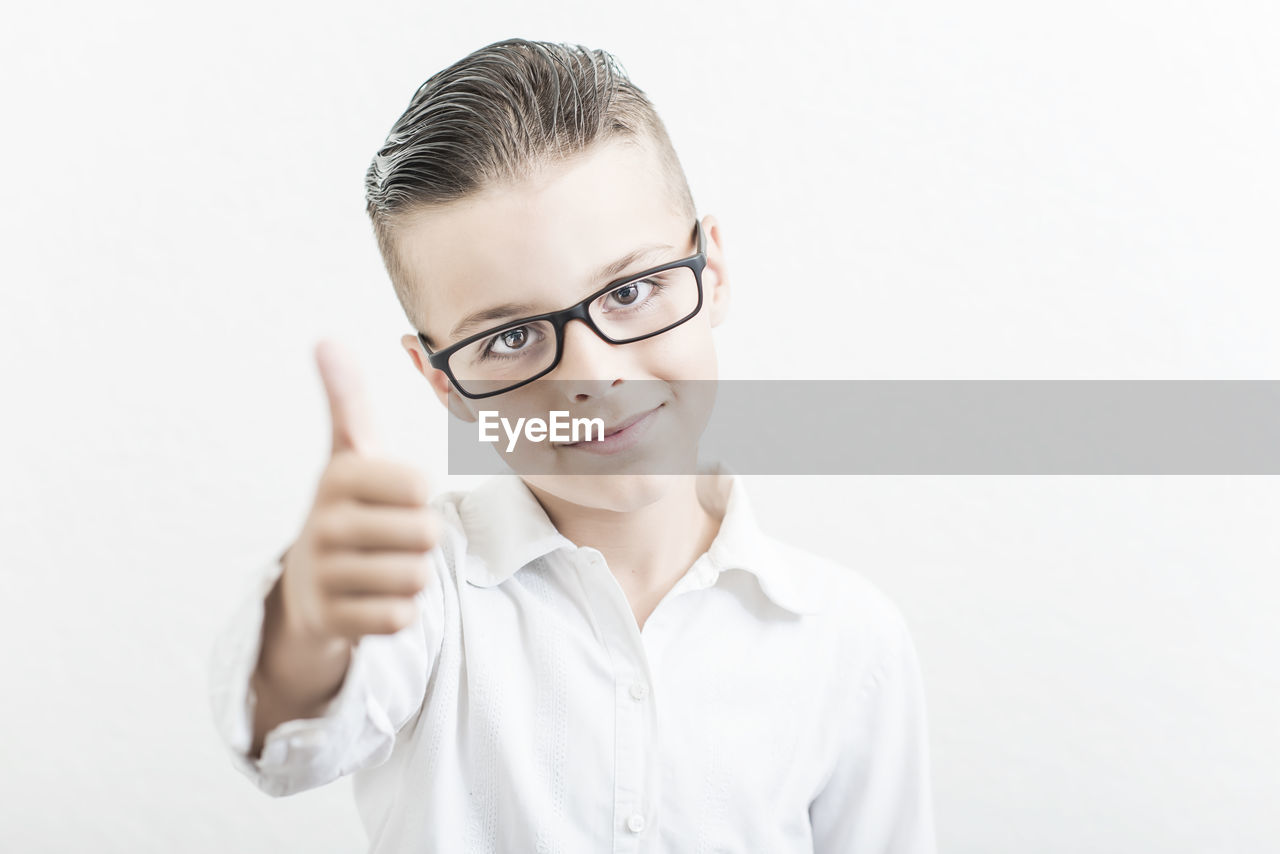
[497,115]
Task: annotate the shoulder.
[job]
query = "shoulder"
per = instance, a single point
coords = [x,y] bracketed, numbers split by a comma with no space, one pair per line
[861,638]
[850,605]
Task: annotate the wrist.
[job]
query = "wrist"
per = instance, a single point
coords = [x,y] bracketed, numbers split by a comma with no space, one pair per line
[292,652]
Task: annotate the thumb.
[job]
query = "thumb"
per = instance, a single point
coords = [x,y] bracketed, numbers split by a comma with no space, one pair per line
[349,410]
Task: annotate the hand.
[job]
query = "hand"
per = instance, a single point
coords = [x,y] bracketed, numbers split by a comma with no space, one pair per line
[362,554]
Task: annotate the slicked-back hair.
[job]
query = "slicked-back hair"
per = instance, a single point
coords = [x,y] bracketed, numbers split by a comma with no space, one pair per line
[497,116]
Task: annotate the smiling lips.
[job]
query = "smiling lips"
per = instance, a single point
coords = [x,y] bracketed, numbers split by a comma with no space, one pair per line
[621,436]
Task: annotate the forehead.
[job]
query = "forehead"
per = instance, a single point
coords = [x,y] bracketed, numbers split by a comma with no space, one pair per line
[538,242]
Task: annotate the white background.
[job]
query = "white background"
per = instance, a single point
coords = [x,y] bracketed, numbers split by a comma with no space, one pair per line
[917,190]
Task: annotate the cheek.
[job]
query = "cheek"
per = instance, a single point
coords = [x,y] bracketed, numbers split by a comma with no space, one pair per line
[686,352]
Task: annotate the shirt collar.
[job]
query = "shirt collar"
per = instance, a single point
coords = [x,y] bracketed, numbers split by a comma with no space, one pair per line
[507,529]
[740,544]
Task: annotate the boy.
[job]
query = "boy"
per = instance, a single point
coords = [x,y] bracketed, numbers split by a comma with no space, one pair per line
[565,661]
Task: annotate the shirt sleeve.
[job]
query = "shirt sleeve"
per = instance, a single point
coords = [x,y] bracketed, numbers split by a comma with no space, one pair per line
[382,689]
[879,799]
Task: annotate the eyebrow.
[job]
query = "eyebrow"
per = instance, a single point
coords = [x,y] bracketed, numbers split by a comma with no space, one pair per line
[497,312]
[608,271]
[519,309]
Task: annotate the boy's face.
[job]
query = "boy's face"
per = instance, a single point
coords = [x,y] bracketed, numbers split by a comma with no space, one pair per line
[537,247]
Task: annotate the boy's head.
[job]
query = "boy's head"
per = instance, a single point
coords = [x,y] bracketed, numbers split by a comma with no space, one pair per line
[512,186]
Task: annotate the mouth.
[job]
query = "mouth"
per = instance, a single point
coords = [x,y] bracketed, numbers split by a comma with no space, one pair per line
[622,435]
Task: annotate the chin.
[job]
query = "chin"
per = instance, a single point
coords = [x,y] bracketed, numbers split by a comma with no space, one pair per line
[620,493]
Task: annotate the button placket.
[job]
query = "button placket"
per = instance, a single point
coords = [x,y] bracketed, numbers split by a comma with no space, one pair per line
[633,739]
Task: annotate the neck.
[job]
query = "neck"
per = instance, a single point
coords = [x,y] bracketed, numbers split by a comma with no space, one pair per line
[643,562]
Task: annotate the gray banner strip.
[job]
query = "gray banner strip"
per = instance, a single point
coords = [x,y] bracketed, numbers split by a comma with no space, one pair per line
[931,427]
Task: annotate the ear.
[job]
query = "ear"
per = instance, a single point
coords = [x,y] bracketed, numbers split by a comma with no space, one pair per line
[715,276]
[456,404]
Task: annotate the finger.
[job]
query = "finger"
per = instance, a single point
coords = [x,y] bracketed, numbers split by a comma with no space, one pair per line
[379,573]
[349,412]
[354,616]
[352,525]
[374,480]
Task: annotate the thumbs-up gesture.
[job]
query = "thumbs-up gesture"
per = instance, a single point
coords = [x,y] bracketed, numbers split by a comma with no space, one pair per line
[361,556]
[353,571]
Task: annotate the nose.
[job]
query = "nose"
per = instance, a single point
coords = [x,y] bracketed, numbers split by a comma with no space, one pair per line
[589,366]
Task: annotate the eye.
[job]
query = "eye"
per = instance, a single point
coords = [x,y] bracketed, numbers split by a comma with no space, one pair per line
[509,340]
[632,293]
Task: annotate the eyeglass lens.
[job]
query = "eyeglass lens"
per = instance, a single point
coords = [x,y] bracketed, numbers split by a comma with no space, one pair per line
[629,311]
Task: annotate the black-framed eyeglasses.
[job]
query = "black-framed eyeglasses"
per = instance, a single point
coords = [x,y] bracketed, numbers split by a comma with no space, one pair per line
[630,309]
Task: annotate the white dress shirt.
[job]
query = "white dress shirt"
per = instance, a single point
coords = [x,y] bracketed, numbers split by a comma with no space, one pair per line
[772,702]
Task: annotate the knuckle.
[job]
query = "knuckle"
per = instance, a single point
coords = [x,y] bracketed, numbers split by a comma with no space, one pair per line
[333,477]
[344,526]
[324,578]
[329,528]
[408,581]
[421,489]
[342,476]
[391,619]
[422,540]
[406,613]
[426,530]
[420,575]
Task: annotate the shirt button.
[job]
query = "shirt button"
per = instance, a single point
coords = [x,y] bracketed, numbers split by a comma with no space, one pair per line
[638,691]
[635,823]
